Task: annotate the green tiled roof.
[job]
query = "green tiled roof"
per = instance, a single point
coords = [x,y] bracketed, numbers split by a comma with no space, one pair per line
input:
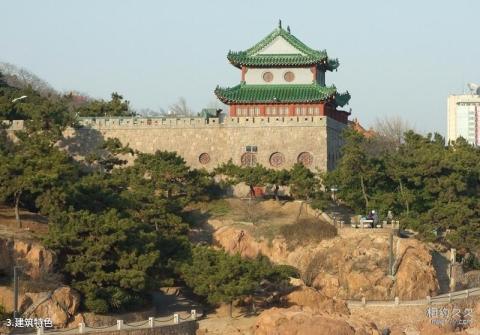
[306,55]
[342,99]
[306,93]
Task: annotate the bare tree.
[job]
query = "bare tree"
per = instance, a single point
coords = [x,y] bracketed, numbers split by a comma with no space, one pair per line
[148,112]
[392,128]
[180,108]
[217,104]
[22,78]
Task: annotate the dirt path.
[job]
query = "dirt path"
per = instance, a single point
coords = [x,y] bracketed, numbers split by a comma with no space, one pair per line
[223,325]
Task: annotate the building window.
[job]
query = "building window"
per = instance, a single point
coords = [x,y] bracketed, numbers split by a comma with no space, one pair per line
[242,111]
[271,110]
[305,158]
[277,159]
[248,159]
[253,111]
[267,76]
[251,148]
[302,111]
[204,158]
[283,111]
[289,76]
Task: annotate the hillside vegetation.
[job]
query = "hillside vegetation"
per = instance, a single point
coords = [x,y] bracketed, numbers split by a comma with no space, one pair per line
[121,231]
[433,188]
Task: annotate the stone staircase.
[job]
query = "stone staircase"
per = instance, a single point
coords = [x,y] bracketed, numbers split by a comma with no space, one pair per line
[441,265]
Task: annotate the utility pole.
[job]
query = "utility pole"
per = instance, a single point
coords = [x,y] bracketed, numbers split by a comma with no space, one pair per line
[15,290]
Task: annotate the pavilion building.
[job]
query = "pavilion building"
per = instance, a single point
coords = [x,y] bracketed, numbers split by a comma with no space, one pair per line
[281,76]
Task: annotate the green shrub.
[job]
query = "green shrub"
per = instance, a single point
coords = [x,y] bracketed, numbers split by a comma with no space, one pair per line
[3,314]
[471,262]
[96,305]
[219,277]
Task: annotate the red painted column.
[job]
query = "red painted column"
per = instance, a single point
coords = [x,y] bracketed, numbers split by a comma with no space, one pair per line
[291,110]
[322,109]
[233,110]
[263,111]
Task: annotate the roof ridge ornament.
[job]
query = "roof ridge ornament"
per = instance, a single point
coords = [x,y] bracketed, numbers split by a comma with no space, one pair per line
[288,29]
[280,24]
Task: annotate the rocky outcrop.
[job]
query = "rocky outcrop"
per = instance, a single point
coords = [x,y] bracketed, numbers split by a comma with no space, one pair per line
[415,275]
[304,321]
[350,266]
[60,305]
[315,300]
[34,258]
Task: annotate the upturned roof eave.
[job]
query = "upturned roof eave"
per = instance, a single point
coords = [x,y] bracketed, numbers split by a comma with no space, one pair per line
[312,93]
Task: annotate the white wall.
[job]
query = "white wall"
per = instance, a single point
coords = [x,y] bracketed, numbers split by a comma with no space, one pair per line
[302,76]
[279,46]
[465,123]
[461,117]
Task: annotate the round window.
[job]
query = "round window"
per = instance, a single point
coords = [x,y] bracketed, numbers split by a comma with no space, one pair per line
[289,76]
[267,76]
[204,158]
[305,158]
[277,159]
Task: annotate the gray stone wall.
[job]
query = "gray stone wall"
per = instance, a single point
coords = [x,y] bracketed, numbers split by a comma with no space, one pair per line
[219,140]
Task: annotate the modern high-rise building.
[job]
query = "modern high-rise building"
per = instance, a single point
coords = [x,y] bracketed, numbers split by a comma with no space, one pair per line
[464,117]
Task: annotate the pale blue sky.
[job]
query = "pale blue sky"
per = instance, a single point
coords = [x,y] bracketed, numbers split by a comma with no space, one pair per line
[400,58]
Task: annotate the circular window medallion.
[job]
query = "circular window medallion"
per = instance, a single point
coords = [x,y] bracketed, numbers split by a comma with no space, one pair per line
[277,159]
[248,159]
[289,76]
[204,158]
[267,76]
[305,158]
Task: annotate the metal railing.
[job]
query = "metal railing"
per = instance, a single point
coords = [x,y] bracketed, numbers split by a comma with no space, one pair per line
[437,300]
[151,322]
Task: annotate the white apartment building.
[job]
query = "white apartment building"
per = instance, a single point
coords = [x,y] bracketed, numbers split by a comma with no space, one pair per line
[464,118]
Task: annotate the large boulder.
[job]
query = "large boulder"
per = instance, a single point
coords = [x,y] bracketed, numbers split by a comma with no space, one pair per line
[315,300]
[415,275]
[304,321]
[61,305]
[34,258]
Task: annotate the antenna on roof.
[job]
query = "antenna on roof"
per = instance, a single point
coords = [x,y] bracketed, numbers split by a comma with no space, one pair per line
[280,24]
[474,88]
[288,29]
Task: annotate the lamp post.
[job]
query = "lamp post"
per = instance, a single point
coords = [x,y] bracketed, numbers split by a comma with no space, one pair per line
[334,189]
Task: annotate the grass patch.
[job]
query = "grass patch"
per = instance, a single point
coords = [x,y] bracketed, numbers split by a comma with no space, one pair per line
[214,208]
[218,208]
[266,231]
[307,231]
[198,213]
